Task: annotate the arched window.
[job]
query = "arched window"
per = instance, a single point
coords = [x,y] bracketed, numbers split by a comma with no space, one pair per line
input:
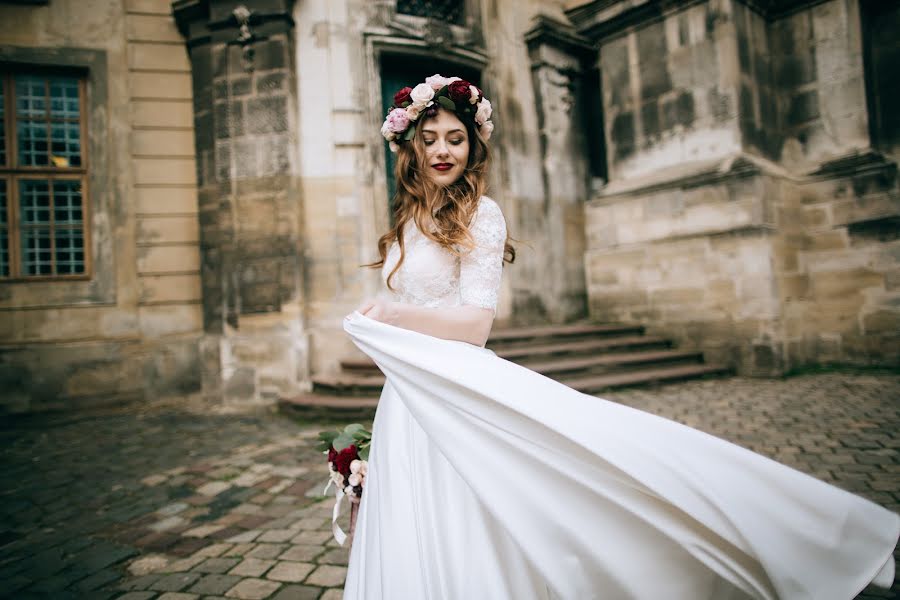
[449,11]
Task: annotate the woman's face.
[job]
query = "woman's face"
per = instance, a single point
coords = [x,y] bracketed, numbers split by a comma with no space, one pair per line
[446,147]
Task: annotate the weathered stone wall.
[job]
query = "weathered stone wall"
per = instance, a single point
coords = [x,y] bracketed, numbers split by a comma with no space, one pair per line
[669,92]
[132,330]
[761,229]
[250,203]
[837,259]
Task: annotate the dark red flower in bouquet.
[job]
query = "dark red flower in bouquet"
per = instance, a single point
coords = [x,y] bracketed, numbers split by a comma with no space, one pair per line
[332,454]
[459,91]
[344,458]
[402,96]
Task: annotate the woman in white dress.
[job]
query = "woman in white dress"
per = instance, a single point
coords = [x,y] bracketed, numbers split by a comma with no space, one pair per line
[489,481]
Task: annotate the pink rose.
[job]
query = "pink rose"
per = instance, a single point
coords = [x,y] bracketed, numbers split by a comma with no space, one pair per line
[486,129]
[397,120]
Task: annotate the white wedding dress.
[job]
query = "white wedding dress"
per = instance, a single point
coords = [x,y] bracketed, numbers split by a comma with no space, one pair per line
[488,481]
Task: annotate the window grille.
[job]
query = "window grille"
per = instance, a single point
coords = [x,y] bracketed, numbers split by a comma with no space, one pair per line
[449,11]
[43,212]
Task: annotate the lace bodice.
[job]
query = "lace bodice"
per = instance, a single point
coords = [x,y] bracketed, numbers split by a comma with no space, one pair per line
[432,276]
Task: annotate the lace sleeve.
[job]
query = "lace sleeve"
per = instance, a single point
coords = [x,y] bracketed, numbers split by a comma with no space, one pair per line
[481,268]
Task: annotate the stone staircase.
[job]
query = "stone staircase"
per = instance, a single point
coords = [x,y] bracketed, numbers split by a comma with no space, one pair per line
[588,357]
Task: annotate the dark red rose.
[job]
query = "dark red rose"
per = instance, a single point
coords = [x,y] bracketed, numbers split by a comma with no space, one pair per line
[459,91]
[344,458]
[332,454]
[402,96]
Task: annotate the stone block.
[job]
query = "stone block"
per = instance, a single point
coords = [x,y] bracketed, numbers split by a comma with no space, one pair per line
[270,83]
[152,28]
[168,259]
[803,107]
[159,7]
[170,86]
[160,57]
[843,284]
[168,229]
[154,171]
[614,69]
[163,143]
[623,135]
[653,71]
[162,113]
[826,240]
[169,288]
[290,572]
[163,320]
[229,119]
[267,114]
[882,321]
[253,589]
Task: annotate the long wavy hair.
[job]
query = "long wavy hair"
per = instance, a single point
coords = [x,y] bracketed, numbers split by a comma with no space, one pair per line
[450,209]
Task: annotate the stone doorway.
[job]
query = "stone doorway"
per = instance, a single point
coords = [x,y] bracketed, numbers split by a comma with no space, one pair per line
[399,70]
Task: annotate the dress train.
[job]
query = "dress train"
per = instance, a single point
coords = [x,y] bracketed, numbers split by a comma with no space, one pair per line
[490,481]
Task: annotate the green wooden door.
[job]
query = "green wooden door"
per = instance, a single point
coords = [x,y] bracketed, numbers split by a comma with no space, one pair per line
[398,71]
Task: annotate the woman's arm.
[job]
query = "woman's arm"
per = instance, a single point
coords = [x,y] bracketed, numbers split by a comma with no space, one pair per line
[480,272]
[465,323]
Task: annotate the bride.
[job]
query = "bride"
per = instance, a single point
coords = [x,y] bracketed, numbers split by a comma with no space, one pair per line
[488,481]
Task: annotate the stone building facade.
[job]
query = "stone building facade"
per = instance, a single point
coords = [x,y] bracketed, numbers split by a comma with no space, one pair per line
[723,171]
[125,320]
[752,206]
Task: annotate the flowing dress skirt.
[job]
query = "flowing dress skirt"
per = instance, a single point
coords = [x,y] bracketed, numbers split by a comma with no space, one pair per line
[489,481]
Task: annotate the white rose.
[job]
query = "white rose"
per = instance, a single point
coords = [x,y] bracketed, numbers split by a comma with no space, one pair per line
[353,479]
[348,490]
[486,129]
[473,94]
[386,131]
[422,94]
[355,465]
[364,467]
[413,111]
[484,111]
[436,81]
[394,146]
[337,478]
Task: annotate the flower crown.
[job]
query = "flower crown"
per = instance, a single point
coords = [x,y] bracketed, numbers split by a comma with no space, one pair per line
[452,93]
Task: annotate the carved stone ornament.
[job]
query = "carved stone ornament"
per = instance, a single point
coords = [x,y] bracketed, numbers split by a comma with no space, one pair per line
[437,33]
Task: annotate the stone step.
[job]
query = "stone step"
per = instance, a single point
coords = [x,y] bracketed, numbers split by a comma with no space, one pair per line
[364,382]
[613,361]
[318,404]
[329,406]
[349,384]
[366,367]
[597,383]
[547,332]
[635,342]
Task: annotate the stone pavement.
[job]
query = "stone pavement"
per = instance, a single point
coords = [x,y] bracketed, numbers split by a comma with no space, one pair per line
[177,500]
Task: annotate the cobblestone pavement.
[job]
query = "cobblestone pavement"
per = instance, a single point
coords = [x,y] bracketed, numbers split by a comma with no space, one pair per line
[178,501]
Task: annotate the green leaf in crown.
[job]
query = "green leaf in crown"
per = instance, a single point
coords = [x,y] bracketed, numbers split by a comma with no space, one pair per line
[447,103]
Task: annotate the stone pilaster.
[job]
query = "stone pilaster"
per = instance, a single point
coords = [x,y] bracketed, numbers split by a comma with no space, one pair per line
[557,67]
[245,108]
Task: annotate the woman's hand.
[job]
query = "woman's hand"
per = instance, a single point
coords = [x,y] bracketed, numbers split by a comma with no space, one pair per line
[378,309]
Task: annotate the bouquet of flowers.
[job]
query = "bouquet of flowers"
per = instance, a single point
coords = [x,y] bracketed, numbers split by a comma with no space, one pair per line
[348,454]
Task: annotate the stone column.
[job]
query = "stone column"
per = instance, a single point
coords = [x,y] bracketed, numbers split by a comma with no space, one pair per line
[557,55]
[242,59]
